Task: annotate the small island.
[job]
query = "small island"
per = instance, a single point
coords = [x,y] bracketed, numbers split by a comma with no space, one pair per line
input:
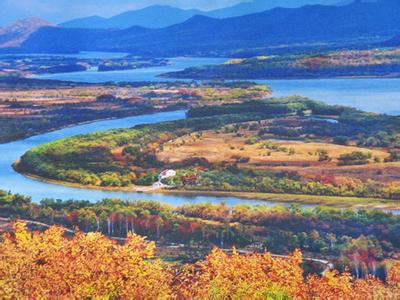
[31,65]
[337,64]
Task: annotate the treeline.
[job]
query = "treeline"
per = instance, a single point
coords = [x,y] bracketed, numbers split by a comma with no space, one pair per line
[272,107]
[376,63]
[264,71]
[228,177]
[360,240]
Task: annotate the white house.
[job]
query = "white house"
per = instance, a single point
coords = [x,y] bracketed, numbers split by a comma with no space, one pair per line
[166,174]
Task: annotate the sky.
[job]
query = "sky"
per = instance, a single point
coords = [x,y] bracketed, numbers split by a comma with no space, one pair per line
[58,11]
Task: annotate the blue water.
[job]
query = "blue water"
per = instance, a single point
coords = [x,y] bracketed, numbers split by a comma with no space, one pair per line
[380,95]
[369,94]
[145,74]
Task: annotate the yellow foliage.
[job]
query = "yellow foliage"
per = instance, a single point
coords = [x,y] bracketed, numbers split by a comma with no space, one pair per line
[49,265]
[394,275]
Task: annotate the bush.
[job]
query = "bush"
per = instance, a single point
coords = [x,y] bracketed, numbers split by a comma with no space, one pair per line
[354,158]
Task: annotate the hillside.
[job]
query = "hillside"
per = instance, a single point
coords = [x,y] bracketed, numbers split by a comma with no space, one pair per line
[15,34]
[202,35]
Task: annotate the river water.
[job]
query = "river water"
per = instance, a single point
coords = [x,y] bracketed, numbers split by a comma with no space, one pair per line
[381,95]
[377,95]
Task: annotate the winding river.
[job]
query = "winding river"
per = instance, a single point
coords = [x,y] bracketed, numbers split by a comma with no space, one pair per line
[17,183]
[379,95]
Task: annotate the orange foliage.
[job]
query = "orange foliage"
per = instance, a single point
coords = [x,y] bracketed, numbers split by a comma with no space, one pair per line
[51,266]
[394,275]
[341,286]
[48,265]
[222,276]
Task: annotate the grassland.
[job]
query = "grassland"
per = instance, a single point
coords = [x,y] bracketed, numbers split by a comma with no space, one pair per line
[278,155]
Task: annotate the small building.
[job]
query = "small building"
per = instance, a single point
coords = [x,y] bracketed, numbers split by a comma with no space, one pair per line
[166,174]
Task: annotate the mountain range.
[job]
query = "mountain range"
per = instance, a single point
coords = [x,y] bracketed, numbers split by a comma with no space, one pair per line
[159,16]
[202,35]
[156,16]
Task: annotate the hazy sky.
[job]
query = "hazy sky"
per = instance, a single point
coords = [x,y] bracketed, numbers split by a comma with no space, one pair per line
[61,10]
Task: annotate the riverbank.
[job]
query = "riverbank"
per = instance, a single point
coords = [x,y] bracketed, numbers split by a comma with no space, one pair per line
[71,125]
[333,201]
[48,130]
[312,200]
[177,76]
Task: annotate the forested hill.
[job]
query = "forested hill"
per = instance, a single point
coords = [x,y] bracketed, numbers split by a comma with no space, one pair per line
[203,35]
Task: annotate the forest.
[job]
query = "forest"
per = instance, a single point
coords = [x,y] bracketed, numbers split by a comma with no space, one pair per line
[363,242]
[52,262]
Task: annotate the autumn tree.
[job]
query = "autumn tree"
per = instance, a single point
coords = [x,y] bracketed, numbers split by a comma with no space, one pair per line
[256,276]
[50,265]
[394,275]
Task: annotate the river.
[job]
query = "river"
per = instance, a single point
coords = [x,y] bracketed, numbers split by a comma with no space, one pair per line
[379,95]
[144,74]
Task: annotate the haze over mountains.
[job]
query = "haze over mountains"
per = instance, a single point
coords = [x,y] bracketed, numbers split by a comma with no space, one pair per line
[202,35]
[158,16]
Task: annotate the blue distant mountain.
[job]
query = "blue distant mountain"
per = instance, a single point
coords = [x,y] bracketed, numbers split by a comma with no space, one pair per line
[159,16]
[256,6]
[202,35]
[156,16]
